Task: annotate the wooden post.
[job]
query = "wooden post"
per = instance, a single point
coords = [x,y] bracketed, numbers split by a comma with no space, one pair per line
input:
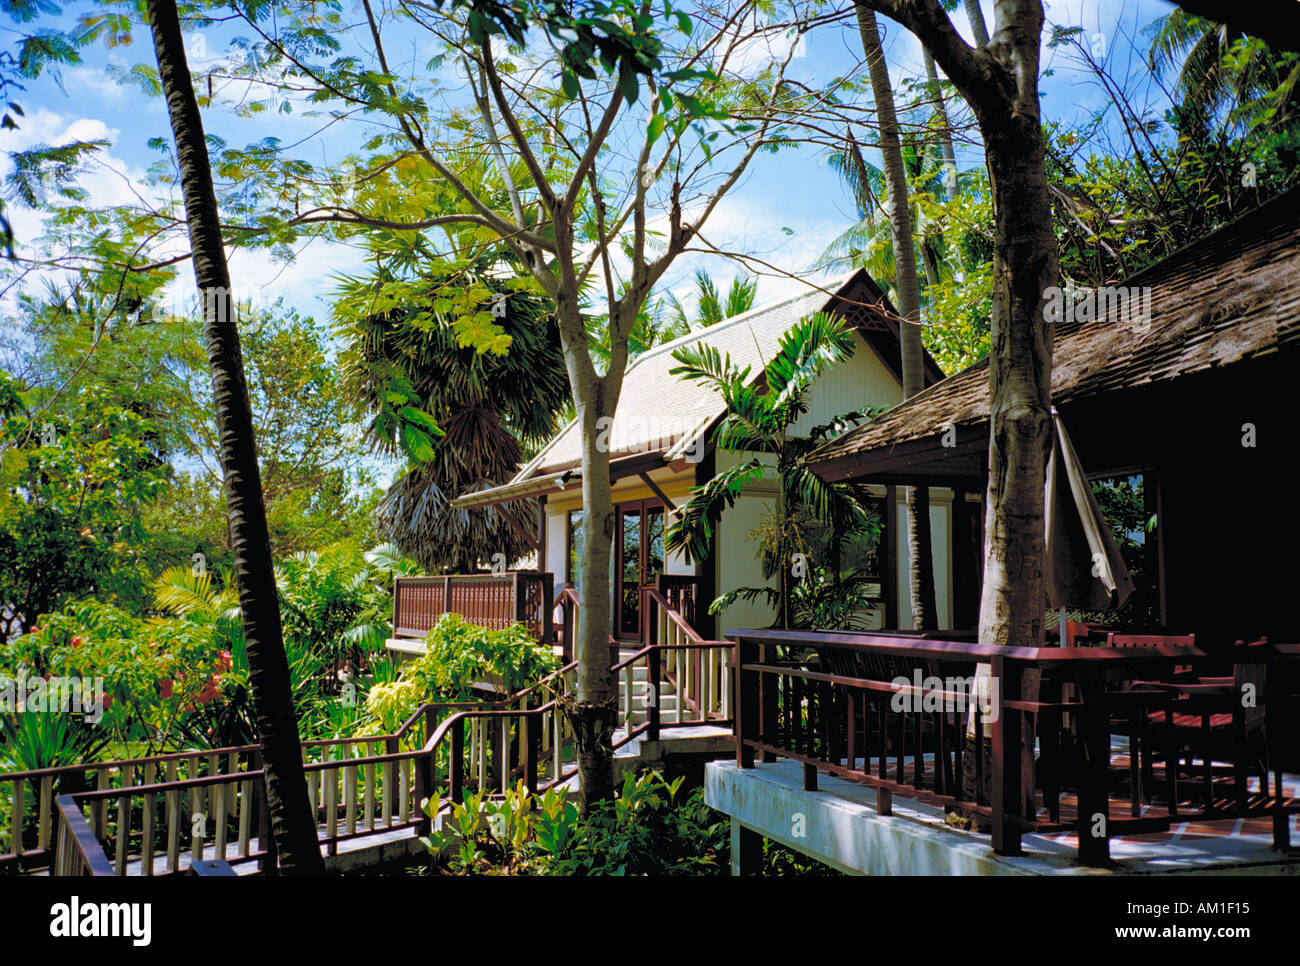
[1006,759]
[531,736]
[456,763]
[746,704]
[889,559]
[424,775]
[1094,729]
[768,688]
[548,608]
[652,678]
[809,777]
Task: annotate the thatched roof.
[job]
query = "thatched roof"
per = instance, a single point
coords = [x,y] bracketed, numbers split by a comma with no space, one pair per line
[1228,298]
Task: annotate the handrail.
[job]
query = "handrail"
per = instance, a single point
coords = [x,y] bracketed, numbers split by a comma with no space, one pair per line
[674,616]
[77,835]
[840,714]
[235,782]
[909,647]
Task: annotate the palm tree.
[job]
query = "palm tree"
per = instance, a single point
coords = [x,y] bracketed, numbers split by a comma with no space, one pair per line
[669,319]
[710,307]
[976,17]
[907,287]
[490,411]
[760,416]
[292,823]
[1222,72]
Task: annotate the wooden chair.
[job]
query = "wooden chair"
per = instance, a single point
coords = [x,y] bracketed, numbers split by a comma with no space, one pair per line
[1135,721]
[1207,714]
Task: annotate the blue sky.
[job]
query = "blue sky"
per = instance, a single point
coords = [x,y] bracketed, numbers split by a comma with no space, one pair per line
[785,211]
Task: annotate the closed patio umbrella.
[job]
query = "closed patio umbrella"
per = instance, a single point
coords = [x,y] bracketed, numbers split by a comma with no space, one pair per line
[1082,566]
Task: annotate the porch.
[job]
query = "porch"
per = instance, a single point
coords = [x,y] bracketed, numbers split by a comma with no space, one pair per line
[654,608]
[861,751]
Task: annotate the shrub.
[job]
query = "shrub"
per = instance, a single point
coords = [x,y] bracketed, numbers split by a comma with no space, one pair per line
[646,830]
[460,654]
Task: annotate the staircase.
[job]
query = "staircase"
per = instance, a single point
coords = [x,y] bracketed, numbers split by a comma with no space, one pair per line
[637,689]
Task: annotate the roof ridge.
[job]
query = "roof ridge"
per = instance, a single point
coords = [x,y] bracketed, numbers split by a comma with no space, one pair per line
[833,286]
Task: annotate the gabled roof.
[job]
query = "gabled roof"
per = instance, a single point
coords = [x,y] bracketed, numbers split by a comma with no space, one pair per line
[661,412]
[1229,297]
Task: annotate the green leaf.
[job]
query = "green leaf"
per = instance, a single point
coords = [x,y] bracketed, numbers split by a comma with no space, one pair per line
[655,128]
[627,84]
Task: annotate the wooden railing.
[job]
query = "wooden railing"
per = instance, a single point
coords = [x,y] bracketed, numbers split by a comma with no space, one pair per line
[491,600]
[32,795]
[160,815]
[680,592]
[698,670]
[838,704]
[357,786]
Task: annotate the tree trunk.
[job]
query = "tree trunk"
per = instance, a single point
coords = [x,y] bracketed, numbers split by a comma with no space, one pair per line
[907,287]
[292,822]
[945,138]
[594,709]
[1020,369]
[976,17]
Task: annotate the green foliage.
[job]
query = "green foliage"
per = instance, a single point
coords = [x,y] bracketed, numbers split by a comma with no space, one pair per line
[646,830]
[649,829]
[154,671]
[758,428]
[30,742]
[458,656]
[72,488]
[461,654]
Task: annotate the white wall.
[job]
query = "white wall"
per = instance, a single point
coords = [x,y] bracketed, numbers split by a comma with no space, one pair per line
[864,380]
[941,548]
[861,381]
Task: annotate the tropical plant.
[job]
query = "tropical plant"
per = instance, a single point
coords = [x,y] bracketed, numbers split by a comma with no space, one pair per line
[759,426]
[481,412]
[460,654]
[648,829]
[1223,75]
[72,488]
[710,307]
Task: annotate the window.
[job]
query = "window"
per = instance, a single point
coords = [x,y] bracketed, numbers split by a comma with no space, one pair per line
[1128,504]
[573,547]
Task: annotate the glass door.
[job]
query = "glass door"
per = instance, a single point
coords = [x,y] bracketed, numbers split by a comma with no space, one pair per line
[639,559]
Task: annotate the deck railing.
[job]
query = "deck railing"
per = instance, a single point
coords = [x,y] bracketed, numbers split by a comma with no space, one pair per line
[33,795]
[162,814]
[698,670]
[902,716]
[491,600]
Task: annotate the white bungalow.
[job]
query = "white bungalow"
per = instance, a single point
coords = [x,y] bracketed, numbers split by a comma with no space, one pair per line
[660,449]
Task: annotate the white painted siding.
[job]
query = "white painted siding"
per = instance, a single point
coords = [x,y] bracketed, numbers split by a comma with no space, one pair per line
[863,380]
[941,548]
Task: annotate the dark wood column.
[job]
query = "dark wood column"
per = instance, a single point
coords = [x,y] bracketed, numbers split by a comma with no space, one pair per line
[889,559]
[706,571]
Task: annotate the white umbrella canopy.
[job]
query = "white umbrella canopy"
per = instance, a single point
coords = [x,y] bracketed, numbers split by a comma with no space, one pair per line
[1082,566]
